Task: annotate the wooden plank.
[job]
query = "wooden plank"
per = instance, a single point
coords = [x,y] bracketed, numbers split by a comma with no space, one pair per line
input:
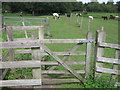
[0,19]
[56,63]
[109,45]
[117,84]
[106,70]
[25,82]
[35,43]
[59,81]
[25,27]
[99,52]
[9,32]
[48,27]
[66,41]
[60,72]
[37,54]
[22,39]
[57,53]
[1,23]
[23,51]
[88,55]
[19,64]
[31,63]
[58,40]
[80,78]
[114,66]
[108,60]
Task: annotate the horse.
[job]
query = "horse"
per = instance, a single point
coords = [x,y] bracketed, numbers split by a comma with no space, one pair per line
[68,14]
[117,17]
[21,14]
[56,15]
[112,17]
[90,17]
[105,17]
[78,14]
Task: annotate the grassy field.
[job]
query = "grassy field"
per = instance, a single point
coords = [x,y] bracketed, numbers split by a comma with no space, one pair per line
[68,28]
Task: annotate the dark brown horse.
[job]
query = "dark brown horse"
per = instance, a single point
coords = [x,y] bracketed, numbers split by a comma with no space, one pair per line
[105,17]
[112,17]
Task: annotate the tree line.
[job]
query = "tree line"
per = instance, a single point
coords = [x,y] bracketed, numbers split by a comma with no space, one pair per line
[41,8]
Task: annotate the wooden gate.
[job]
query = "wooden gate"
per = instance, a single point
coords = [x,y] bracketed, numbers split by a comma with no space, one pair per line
[37,47]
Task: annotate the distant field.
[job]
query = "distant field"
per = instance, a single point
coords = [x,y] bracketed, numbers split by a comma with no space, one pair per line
[67,28]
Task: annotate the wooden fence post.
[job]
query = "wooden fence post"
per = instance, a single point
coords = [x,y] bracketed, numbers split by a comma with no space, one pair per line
[99,51]
[115,67]
[37,55]
[88,55]
[0,38]
[47,27]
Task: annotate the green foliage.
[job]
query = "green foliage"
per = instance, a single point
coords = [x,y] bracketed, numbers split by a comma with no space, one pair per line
[100,82]
[47,8]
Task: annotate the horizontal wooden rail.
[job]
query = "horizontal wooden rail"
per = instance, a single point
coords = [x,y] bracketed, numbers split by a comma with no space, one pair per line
[31,64]
[60,72]
[108,60]
[109,45]
[13,21]
[106,70]
[117,84]
[36,43]
[59,81]
[23,18]
[57,40]
[25,27]
[25,82]
[57,53]
[20,64]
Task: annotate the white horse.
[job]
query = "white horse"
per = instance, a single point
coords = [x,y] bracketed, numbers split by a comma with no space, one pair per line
[56,15]
[91,17]
[116,17]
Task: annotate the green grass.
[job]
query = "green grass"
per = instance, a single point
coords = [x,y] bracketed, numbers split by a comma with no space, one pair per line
[67,28]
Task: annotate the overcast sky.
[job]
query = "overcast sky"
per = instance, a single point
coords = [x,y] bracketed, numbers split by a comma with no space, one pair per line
[85,1]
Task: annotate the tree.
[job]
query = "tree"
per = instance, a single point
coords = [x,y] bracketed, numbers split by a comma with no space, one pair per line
[110,2]
[118,6]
